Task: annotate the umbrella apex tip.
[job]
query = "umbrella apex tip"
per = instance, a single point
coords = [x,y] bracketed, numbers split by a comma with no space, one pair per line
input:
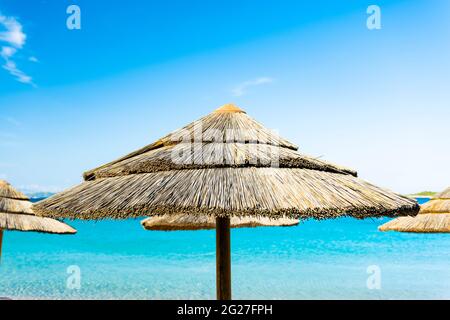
[229,108]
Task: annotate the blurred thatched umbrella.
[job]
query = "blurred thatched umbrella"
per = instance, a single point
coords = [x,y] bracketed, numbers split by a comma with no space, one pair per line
[434,217]
[16,214]
[224,165]
[176,222]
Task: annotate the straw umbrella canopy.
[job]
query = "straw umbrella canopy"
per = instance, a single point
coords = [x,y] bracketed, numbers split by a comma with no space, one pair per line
[224,165]
[178,222]
[16,214]
[434,217]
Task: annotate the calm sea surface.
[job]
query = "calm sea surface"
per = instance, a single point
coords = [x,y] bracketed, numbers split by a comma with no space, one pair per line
[316,260]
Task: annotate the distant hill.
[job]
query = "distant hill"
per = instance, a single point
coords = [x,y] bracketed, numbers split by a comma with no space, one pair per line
[423,194]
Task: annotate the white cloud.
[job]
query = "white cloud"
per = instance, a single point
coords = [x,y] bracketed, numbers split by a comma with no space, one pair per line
[13,39]
[11,67]
[241,89]
[7,52]
[33,59]
[13,34]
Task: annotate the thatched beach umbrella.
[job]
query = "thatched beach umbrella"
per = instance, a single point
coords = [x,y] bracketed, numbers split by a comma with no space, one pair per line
[434,217]
[16,214]
[177,222]
[224,165]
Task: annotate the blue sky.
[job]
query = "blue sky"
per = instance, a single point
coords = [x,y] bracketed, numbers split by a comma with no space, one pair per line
[374,100]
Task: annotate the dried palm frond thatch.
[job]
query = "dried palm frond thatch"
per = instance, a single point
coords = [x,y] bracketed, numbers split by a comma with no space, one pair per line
[422,223]
[16,214]
[443,195]
[175,222]
[440,203]
[225,164]
[434,217]
[270,192]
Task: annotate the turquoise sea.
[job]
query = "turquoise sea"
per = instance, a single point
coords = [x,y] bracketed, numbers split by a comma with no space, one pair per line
[316,260]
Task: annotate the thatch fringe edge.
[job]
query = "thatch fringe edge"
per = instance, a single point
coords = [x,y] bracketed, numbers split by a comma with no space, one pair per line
[160,166]
[316,213]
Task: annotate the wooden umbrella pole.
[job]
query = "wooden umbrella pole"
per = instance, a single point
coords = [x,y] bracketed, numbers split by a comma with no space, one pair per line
[223,259]
[1,241]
